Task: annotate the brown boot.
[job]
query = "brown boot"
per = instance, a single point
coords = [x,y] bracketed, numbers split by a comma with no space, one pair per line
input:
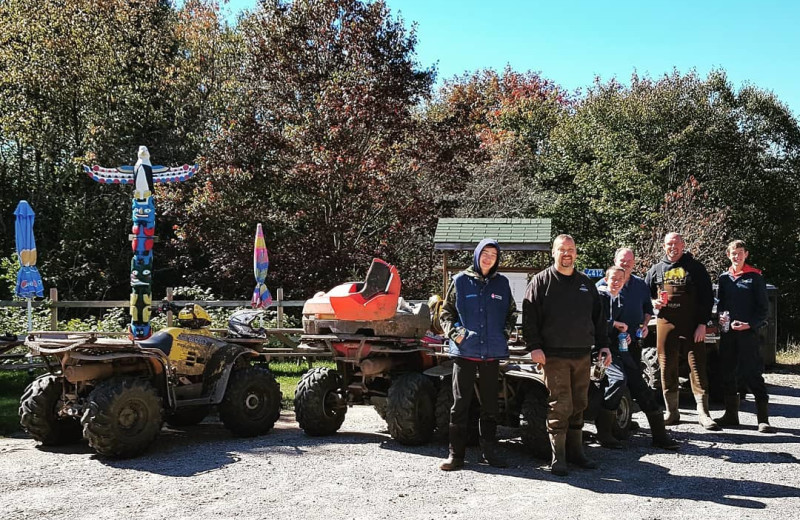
[659,432]
[574,449]
[604,423]
[703,417]
[673,412]
[731,415]
[559,464]
[762,412]
[458,446]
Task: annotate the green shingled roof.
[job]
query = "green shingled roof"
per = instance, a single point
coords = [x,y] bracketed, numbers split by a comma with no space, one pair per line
[514,234]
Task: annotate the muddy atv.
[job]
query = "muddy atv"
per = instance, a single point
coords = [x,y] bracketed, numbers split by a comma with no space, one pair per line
[117,393]
[377,341]
[523,402]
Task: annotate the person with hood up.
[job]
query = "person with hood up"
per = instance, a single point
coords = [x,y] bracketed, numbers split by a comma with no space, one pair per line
[681,325]
[477,316]
[743,295]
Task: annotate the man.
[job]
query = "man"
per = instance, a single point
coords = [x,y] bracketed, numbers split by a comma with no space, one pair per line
[638,308]
[624,370]
[561,319]
[478,316]
[743,296]
[681,326]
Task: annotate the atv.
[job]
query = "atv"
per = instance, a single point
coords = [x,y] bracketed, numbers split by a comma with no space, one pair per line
[523,401]
[117,393]
[377,341]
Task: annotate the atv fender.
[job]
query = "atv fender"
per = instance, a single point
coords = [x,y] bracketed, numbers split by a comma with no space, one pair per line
[217,372]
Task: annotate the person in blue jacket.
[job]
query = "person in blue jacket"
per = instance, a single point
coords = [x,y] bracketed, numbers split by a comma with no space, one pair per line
[477,316]
[743,296]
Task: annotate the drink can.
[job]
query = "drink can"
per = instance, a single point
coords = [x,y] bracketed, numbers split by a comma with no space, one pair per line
[726,321]
[664,295]
[623,341]
[639,333]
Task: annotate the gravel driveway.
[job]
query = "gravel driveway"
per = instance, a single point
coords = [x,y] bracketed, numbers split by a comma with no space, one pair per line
[202,472]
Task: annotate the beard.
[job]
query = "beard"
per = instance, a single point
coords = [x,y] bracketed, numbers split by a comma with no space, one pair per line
[567,262]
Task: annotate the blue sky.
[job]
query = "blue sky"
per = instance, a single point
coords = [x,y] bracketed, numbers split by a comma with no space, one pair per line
[572,42]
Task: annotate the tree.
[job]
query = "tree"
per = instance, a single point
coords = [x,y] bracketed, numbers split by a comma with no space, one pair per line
[313,148]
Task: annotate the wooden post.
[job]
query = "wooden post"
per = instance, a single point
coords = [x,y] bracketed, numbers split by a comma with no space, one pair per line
[169,312]
[280,307]
[54,309]
[444,274]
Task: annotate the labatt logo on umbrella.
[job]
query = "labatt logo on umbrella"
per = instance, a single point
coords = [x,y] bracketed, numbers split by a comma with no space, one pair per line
[261,295]
[29,282]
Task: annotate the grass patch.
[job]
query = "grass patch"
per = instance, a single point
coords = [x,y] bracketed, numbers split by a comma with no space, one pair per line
[12,384]
[288,374]
[788,355]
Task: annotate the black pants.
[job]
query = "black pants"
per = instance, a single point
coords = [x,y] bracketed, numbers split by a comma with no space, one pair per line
[742,363]
[464,372]
[624,371]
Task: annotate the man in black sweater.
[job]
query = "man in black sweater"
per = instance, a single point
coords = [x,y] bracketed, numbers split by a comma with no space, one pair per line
[681,326]
[561,319]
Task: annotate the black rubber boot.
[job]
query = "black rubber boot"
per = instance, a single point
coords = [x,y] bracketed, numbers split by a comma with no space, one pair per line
[490,451]
[604,423]
[458,446]
[574,449]
[731,415]
[762,411]
[659,432]
[559,464]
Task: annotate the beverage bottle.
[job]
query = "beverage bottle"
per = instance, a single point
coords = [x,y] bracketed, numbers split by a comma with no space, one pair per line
[726,321]
[623,341]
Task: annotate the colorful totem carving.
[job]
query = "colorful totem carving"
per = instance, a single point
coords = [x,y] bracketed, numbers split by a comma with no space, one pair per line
[142,175]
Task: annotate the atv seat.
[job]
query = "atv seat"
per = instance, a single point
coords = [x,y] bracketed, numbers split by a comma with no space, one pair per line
[373,299]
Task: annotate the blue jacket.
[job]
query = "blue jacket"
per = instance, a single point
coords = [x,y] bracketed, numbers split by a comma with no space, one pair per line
[481,308]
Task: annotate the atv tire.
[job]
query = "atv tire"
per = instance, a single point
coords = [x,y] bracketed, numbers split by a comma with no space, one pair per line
[318,403]
[410,410]
[533,426]
[38,416]
[444,403]
[651,370]
[252,402]
[188,416]
[621,427]
[122,417]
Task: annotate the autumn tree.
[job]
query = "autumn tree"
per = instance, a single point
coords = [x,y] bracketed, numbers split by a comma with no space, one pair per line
[313,148]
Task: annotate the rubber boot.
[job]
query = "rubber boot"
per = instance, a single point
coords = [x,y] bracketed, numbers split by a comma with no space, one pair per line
[490,451]
[458,446]
[731,415]
[703,417]
[604,423]
[574,449]
[673,412]
[762,412]
[659,432]
[559,464]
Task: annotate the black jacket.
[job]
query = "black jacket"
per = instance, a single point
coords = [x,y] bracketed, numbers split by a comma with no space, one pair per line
[687,273]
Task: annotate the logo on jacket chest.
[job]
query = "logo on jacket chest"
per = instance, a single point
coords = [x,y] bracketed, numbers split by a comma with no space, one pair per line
[496,296]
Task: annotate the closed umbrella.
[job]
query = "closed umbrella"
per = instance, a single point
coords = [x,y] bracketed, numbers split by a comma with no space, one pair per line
[261,295]
[29,282]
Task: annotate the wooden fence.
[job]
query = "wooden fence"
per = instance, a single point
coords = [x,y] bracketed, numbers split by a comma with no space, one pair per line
[55,304]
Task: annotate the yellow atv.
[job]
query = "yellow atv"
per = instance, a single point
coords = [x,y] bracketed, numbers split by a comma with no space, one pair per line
[117,393]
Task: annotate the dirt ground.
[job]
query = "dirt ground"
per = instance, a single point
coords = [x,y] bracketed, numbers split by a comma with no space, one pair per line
[361,473]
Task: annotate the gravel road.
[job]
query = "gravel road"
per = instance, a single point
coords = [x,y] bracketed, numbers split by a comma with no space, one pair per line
[361,473]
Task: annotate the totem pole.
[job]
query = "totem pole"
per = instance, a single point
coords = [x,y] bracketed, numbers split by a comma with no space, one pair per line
[142,175]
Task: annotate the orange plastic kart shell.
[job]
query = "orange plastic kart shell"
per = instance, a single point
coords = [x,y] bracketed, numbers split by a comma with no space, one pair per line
[374,299]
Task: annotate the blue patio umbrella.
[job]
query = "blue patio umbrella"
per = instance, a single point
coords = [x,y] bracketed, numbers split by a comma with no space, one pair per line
[29,282]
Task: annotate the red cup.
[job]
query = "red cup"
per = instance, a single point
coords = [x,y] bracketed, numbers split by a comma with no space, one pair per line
[664,297]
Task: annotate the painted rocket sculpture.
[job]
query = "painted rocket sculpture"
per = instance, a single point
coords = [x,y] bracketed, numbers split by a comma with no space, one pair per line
[142,175]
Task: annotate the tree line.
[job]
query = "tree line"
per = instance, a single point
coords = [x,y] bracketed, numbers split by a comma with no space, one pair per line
[316,119]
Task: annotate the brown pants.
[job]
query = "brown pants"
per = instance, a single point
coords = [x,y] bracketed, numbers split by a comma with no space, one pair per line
[567,380]
[671,346]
